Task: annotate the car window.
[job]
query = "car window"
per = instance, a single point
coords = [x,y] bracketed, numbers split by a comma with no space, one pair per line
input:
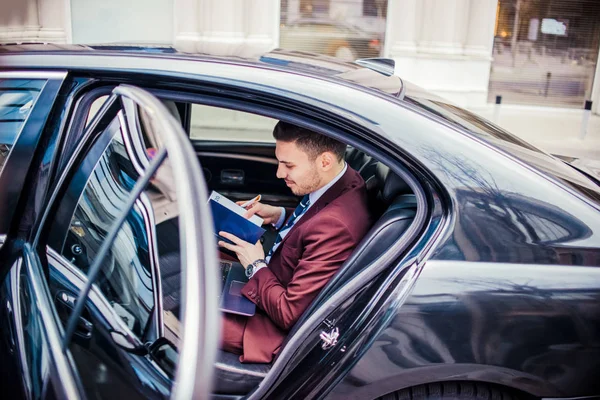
[126,276]
[94,108]
[509,143]
[214,123]
[17,97]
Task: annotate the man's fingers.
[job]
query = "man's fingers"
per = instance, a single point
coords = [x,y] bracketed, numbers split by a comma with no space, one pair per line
[232,237]
[239,203]
[228,246]
[251,211]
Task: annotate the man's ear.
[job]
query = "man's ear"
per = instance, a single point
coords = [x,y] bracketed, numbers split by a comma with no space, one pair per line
[326,161]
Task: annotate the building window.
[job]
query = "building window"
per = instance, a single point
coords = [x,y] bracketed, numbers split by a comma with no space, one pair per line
[545,52]
[347,29]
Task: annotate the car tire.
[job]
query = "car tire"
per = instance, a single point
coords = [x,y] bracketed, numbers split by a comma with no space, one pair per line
[454,390]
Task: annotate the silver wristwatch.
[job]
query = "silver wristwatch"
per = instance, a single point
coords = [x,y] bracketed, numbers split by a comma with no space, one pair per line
[255,266]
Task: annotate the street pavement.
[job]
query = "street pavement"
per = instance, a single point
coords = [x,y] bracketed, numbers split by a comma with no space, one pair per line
[545,80]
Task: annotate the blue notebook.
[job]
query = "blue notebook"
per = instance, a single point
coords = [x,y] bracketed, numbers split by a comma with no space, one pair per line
[229,217]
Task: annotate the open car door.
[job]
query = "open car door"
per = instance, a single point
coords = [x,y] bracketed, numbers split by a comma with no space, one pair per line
[102,179]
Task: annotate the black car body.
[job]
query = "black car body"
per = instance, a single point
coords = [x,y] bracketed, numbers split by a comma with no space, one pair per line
[480,276]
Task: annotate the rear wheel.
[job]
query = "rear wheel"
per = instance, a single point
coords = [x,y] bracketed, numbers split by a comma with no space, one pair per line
[455,390]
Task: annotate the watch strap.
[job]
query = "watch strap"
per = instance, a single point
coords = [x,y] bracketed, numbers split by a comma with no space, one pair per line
[254,267]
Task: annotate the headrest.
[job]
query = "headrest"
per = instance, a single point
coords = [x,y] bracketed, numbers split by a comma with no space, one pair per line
[356,158]
[393,187]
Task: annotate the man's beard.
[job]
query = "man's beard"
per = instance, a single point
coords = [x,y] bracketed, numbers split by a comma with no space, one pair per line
[312,183]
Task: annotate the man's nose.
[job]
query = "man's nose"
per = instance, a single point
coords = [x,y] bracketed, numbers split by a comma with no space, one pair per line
[280,173]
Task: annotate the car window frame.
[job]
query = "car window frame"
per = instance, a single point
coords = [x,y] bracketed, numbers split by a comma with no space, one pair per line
[198,350]
[14,173]
[425,193]
[60,373]
[79,279]
[103,140]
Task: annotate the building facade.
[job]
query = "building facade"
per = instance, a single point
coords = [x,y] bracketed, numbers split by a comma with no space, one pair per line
[530,52]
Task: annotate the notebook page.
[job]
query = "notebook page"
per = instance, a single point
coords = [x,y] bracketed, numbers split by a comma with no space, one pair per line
[225,202]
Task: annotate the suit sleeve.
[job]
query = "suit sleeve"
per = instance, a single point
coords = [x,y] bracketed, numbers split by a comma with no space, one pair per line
[327,244]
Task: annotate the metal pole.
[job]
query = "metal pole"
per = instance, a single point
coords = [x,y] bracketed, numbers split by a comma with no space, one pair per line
[548,77]
[587,110]
[497,109]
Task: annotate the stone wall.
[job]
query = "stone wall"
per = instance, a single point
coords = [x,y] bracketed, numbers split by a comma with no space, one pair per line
[443,46]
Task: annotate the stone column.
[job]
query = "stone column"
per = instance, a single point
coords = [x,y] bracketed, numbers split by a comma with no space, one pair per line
[226,27]
[443,46]
[53,20]
[186,24]
[262,25]
[18,21]
[401,32]
[596,89]
[222,25]
[443,27]
[480,34]
[478,48]
[32,21]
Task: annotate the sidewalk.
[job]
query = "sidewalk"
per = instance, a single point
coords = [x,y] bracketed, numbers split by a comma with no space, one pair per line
[554,130]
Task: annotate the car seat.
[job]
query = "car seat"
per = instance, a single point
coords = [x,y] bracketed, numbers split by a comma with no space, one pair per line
[390,192]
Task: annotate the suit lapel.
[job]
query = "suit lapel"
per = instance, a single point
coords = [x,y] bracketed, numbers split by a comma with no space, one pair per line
[331,194]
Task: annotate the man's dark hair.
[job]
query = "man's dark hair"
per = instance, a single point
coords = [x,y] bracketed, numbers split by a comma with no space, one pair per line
[308,141]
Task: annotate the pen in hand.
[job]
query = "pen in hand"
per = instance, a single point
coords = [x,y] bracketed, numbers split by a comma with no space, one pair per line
[251,201]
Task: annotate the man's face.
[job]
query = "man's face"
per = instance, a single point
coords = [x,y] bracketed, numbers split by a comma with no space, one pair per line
[301,174]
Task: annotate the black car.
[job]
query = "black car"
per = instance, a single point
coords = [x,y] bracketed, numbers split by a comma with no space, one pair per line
[479,278]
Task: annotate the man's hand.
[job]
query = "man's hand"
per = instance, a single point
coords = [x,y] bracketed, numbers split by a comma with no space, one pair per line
[246,252]
[269,214]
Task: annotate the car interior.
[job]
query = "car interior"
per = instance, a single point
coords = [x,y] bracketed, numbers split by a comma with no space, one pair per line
[237,155]
[243,169]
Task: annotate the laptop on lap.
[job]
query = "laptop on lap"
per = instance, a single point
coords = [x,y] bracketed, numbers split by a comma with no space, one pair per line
[232,300]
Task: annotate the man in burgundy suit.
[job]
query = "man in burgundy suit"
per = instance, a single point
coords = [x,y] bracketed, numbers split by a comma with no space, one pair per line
[313,241]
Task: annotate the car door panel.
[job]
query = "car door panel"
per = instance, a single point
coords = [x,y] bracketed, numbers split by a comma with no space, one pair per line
[46,370]
[105,366]
[33,113]
[90,207]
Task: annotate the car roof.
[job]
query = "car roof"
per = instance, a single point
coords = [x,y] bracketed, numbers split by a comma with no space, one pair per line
[132,57]
[289,60]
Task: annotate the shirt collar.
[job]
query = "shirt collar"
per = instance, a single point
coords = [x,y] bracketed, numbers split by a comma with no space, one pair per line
[314,196]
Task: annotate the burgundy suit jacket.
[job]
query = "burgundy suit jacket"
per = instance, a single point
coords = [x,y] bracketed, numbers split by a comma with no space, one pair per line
[307,258]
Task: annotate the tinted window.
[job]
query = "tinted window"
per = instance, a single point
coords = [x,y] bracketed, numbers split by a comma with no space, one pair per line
[17,97]
[126,276]
[215,123]
[511,144]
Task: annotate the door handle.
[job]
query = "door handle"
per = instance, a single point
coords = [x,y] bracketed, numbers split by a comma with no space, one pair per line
[65,302]
[232,176]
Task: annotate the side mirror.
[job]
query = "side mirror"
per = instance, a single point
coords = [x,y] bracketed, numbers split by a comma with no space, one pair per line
[165,354]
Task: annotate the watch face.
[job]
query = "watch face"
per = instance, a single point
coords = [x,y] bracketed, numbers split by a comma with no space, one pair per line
[249,270]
